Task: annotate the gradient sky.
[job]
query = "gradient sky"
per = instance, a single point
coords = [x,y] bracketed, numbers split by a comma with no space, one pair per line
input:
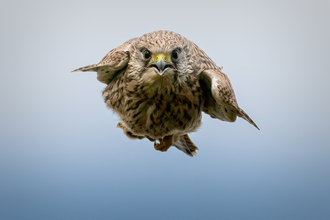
[62,157]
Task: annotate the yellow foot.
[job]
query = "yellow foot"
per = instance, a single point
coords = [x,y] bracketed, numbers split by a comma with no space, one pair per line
[164,144]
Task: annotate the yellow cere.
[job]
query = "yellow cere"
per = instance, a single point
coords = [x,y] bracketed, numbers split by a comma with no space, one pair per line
[161,56]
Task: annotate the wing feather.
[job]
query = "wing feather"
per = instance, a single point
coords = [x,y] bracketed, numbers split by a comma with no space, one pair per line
[116,60]
[219,97]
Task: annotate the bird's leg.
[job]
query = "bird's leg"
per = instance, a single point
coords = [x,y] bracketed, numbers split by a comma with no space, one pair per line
[128,133]
[164,144]
[150,139]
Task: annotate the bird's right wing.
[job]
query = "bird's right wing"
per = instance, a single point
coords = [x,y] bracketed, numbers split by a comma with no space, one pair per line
[116,60]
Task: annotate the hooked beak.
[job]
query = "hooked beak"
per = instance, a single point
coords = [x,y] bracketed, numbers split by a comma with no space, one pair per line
[161,65]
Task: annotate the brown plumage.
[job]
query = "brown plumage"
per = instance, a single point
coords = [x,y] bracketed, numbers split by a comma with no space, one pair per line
[159,84]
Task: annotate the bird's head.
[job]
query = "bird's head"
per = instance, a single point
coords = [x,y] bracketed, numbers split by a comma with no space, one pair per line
[161,55]
[162,61]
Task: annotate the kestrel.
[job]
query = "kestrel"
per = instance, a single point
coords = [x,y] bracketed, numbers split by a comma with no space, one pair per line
[159,84]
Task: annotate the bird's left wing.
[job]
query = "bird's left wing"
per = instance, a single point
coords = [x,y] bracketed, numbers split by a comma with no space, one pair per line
[116,60]
[219,97]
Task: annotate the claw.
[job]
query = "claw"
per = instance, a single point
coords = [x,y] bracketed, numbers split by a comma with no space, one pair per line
[164,144]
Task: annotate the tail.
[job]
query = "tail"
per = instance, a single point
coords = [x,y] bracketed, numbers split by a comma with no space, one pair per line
[247,118]
[184,144]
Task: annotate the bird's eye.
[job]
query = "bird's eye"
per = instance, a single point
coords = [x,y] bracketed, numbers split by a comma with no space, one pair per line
[175,54]
[146,54]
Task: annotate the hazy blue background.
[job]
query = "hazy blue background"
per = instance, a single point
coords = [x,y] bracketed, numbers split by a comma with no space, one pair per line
[62,157]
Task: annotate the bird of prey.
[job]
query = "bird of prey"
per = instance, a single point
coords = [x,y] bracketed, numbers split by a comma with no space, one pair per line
[159,84]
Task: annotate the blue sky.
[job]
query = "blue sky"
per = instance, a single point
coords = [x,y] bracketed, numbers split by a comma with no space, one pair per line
[62,157]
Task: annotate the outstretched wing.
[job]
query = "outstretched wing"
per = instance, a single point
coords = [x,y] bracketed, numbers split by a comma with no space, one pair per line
[219,97]
[116,60]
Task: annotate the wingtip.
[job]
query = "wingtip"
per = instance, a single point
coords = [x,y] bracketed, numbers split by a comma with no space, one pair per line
[256,126]
[248,119]
[86,68]
[252,122]
[79,69]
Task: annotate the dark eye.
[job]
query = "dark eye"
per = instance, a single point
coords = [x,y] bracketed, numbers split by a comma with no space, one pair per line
[175,54]
[146,54]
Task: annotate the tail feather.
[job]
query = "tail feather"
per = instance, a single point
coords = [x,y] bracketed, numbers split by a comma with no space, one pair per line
[184,144]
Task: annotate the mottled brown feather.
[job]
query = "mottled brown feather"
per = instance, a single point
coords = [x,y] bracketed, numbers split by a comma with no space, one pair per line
[165,107]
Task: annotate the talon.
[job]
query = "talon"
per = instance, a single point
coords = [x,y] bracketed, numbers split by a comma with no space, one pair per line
[120,125]
[164,144]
